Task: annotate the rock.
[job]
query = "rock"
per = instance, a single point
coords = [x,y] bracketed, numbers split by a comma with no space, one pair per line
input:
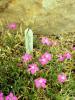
[43,16]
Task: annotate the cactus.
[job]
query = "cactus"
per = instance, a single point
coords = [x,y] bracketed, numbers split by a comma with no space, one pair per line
[28,40]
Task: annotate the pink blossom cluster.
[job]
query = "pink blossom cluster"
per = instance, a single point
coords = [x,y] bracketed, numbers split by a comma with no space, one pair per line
[10,96]
[45,58]
[46,41]
[12,26]
[40,82]
[66,55]
[26,57]
[33,68]
[62,78]
[1,96]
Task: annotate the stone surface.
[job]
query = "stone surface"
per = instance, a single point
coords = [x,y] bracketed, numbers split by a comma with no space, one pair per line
[43,16]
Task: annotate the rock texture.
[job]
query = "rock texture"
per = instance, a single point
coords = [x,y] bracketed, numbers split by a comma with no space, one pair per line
[43,16]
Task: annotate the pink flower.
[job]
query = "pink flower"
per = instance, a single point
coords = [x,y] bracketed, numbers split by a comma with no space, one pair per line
[61,57]
[1,96]
[12,26]
[43,61]
[73,48]
[62,78]
[26,57]
[40,83]
[46,41]
[11,97]
[67,55]
[47,56]
[33,68]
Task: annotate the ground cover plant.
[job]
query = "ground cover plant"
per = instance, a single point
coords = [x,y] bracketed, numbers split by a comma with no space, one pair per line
[46,74]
